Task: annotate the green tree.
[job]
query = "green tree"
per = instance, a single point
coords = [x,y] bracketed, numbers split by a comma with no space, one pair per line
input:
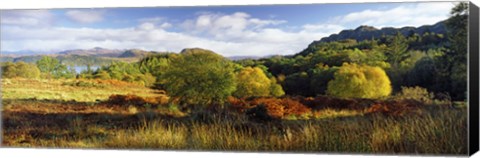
[397,50]
[52,67]
[200,77]
[455,60]
[48,64]
[156,65]
[321,75]
[359,81]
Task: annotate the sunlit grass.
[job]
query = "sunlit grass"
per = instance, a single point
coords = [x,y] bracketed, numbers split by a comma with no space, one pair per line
[58,90]
[153,135]
[333,113]
[437,132]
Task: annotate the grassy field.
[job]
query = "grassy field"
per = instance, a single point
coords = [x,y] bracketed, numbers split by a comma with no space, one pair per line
[66,114]
[69,90]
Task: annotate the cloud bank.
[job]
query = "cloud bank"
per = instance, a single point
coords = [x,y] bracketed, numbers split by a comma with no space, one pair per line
[228,34]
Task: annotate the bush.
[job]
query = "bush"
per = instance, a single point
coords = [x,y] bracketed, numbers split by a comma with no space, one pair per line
[293,107]
[20,69]
[279,108]
[415,93]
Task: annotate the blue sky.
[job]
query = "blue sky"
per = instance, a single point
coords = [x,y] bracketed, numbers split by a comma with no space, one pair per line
[228,30]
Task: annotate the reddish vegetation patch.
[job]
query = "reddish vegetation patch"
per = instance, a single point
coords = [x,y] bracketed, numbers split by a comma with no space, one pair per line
[397,107]
[281,107]
[239,105]
[276,107]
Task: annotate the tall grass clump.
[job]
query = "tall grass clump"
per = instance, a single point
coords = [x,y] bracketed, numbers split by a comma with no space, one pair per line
[153,135]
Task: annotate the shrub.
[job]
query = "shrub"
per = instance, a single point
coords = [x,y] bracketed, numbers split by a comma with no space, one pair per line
[415,93]
[279,108]
[273,106]
[293,107]
[20,69]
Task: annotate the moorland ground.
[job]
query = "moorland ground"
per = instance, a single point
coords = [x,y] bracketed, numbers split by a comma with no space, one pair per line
[104,115]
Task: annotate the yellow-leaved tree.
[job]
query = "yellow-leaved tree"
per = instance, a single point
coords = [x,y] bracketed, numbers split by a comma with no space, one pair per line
[359,81]
[254,82]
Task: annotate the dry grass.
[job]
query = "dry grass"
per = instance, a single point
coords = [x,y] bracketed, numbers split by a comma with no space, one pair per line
[437,132]
[62,123]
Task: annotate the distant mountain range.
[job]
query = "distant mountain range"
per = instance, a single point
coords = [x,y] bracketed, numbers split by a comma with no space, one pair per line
[368,32]
[95,56]
[97,51]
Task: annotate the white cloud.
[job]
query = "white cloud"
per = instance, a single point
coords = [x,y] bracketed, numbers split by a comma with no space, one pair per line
[152,37]
[146,26]
[37,18]
[416,14]
[227,27]
[165,25]
[228,34]
[85,16]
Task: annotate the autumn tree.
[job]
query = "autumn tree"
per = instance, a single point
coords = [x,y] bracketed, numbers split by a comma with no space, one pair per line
[254,82]
[200,77]
[359,81]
